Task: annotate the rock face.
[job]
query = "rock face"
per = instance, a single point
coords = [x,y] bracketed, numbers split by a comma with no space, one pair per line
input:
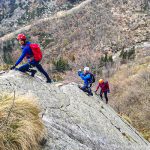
[73,120]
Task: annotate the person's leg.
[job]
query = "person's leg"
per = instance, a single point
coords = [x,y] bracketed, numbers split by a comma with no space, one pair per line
[33,72]
[40,68]
[105,94]
[90,90]
[24,68]
[84,88]
[101,94]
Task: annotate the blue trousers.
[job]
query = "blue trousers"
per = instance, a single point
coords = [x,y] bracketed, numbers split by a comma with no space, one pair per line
[87,89]
[26,68]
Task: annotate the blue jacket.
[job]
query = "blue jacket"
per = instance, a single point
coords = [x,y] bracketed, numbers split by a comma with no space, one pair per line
[26,52]
[85,77]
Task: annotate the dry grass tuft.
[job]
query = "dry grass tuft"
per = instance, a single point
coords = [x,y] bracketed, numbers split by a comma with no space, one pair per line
[20,125]
[146,134]
[4,67]
[125,117]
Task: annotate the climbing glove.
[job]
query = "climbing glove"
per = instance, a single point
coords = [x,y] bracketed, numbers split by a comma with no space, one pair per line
[13,67]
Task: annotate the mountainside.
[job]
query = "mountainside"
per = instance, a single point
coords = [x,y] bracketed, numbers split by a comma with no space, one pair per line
[74,121]
[17,13]
[83,33]
[130,88]
[112,37]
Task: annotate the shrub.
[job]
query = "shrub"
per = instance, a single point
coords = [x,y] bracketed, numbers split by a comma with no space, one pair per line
[7,49]
[7,58]
[61,65]
[105,65]
[127,55]
[104,60]
[20,125]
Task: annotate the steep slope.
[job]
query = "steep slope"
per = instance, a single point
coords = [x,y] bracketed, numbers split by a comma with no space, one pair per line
[73,120]
[130,93]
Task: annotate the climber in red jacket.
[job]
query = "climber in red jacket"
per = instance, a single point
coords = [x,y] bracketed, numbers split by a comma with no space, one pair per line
[104,89]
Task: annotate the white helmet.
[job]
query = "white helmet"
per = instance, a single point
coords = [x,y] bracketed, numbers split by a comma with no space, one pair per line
[86,69]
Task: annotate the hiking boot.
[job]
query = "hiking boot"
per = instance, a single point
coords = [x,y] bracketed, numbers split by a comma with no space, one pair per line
[101,98]
[49,81]
[33,72]
[90,94]
[79,86]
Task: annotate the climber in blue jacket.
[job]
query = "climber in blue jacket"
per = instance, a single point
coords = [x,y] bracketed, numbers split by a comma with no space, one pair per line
[86,76]
[33,59]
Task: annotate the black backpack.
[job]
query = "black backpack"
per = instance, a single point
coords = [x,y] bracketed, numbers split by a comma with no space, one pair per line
[92,77]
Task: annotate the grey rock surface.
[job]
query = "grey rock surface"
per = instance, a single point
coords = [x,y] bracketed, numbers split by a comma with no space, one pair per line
[75,121]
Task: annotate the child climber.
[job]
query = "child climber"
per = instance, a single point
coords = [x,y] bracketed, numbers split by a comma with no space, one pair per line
[104,89]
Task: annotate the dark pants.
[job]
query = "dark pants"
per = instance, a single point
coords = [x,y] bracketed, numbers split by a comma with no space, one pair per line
[105,95]
[26,68]
[87,89]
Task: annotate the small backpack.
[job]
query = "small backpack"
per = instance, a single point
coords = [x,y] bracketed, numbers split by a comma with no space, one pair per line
[92,77]
[37,53]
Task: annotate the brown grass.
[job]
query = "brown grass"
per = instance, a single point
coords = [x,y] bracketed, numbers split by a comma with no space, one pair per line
[4,67]
[24,129]
[125,117]
[146,134]
[130,94]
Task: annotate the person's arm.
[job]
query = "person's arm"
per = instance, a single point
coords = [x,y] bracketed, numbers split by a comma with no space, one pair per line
[21,57]
[79,72]
[85,77]
[97,87]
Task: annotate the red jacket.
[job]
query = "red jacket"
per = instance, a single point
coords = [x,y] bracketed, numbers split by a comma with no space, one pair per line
[104,86]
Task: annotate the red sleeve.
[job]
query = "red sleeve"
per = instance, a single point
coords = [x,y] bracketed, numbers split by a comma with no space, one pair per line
[98,87]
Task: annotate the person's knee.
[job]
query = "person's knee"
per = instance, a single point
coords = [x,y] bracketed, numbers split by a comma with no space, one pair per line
[106,95]
[24,68]
[101,94]
[40,68]
[106,98]
[21,69]
[84,88]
